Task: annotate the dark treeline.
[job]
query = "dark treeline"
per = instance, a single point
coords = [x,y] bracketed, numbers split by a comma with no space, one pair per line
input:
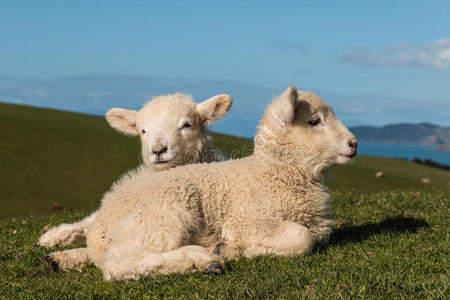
[427,162]
[431,163]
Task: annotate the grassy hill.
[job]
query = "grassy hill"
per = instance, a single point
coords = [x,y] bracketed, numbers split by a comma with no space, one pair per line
[390,241]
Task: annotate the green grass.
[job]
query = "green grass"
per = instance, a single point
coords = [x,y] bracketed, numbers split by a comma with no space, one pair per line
[397,175]
[391,239]
[393,244]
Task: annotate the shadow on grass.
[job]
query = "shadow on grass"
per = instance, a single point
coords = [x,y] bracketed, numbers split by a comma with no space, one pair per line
[362,232]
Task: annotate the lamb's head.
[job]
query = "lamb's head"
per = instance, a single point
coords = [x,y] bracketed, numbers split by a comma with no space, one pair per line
[171,127]
[300,127]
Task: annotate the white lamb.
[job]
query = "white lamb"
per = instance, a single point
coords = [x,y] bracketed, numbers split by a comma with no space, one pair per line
[172,132]
[273,201]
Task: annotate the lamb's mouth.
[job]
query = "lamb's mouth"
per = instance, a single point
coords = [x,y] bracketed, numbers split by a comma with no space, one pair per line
[166,161]
[351,155]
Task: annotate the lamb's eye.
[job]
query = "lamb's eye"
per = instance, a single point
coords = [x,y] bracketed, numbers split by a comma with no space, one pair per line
[187,125]
[314,122]
[143,131]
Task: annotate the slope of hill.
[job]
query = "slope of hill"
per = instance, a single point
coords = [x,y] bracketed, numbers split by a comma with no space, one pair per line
[59,158]
[423,133]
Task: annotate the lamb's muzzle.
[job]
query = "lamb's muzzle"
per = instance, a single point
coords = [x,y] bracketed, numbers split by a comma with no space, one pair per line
[354,146]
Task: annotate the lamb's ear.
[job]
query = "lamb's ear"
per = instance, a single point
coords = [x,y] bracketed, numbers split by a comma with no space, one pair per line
[123,120]
[213,108]
[283,108]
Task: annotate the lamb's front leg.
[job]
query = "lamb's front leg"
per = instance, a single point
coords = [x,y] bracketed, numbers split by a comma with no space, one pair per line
[288,239]
[67,259]
[67,234]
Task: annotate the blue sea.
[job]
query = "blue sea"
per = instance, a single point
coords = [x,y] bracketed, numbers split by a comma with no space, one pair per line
[405,151]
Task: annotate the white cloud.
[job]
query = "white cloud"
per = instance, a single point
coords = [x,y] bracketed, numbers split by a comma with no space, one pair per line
[435,54]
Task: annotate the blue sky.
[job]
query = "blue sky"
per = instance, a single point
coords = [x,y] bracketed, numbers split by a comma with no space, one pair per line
[375,62]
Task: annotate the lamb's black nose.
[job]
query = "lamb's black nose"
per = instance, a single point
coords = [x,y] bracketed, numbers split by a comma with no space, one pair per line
[159,151]
[353,144]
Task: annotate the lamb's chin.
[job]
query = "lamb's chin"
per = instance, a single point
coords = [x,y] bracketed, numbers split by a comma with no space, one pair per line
[343,159]
[161,166]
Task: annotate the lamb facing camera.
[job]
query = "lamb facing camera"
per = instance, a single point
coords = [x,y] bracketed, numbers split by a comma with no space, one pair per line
[172,132]
[187,219]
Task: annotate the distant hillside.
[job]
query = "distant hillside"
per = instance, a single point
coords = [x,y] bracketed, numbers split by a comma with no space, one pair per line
[423,133]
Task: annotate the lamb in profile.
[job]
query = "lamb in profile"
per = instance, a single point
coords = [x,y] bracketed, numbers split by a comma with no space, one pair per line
[187,219]
[172,132]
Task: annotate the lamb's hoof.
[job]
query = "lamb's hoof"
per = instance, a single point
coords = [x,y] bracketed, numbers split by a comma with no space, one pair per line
[218,250]
[50,264]
[214,269]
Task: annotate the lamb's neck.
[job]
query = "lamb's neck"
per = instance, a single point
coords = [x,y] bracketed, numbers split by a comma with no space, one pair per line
[295,175]
[206,154]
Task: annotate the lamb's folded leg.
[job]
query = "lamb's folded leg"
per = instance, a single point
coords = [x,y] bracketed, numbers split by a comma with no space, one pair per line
[288,239]
[67,259]
[187,259]
[67,234]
